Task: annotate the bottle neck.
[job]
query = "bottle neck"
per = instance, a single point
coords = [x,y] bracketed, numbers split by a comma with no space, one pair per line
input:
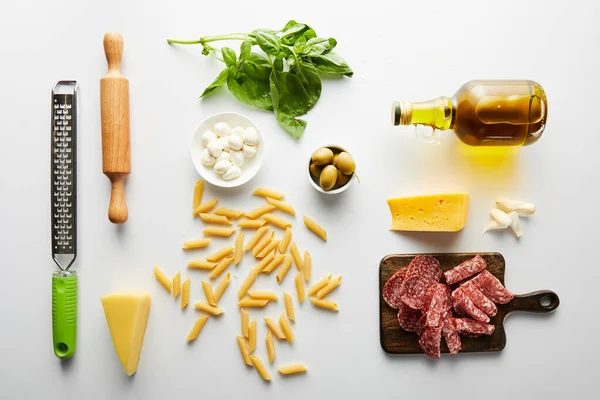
[436,113]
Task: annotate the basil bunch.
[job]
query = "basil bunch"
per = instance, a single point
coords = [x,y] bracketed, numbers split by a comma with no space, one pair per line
[286,80]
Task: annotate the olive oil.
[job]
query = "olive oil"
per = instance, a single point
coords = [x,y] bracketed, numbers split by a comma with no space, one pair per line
[483,113]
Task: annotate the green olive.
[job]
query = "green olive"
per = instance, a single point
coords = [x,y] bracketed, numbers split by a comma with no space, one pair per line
[342,179]
[335,159]
[315,171]
[345,163]
[328,177]
[322,156]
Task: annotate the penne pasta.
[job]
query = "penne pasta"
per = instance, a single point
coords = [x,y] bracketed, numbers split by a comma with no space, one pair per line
[296,255]
[205,207]
[286,328]
[176,284]
[268,248]
[214,219]
[252,336]
[201,264]
[260,367]
[285,267]
[195,244]
[208,292]
[319,285]
[221,266]
[246,285]
[270,343]
[282,205]
[299,287]
[204,306]
[260,211]
[185,293]
[198,325]
[307,266]
[264,192]
[256,238]
[220,254]
[258,268]
[251,223]
[274,264]
[316,228]
[262,243]
[229,213]
[289,306]
[245,322]
[218,231]
[163,278]
[262,294]
[249,302]
[244,351]
[239,248]
[223,284]
[323,303]
[292,369]
[198,189]
[279,222]
[335,282]
[275,328]
[285,241]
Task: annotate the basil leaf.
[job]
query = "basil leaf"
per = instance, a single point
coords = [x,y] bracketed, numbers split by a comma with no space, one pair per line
[294,126]
[333,64]
[268,41]
[257,67]
[219,81]
[293,33]
[289,100]
[310,78]
[245,49]
[249,91]
[317,46]
[300,45]
[278,64]
[228,56]
[287,26]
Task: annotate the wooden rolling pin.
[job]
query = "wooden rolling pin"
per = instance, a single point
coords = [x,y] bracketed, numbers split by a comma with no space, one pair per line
[114,108]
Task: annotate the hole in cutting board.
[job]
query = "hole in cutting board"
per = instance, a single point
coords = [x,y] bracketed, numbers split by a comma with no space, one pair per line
[547,301]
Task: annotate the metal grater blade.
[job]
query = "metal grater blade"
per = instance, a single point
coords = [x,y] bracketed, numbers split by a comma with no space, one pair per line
[63,174]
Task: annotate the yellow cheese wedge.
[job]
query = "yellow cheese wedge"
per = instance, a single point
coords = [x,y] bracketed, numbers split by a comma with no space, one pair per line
[431,213]
[127,315]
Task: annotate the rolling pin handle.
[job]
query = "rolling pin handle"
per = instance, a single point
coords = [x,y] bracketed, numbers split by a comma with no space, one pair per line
[113,49]
[117,210]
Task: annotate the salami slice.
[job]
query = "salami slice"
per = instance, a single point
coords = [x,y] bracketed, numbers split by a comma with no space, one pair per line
[451,336]
[470,326]
[465,270]
[459,312]
[425,267]
[410,319]
[439,306]
[491,287]
[478,298]
[391,289]
[430,342]
[413,292]
[467,305]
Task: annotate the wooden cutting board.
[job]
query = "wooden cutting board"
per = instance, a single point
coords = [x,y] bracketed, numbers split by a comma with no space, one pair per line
[397,341]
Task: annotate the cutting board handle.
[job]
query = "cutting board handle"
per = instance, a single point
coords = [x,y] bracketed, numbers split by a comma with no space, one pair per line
[542,301]
[113,49]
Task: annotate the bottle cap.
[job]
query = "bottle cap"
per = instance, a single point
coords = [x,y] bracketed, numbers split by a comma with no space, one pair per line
[401,113]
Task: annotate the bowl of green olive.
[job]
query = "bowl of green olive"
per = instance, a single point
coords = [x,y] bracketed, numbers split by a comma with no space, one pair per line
[331,169]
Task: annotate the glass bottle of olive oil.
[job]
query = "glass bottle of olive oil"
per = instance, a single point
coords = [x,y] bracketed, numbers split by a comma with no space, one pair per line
[483,113]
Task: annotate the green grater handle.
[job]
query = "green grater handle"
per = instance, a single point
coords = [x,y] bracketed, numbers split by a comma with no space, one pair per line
[64,313]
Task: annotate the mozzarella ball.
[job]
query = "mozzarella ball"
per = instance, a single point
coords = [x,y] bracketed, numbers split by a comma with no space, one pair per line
[222,166]
[222,129]
[215,148]
[237,158]
[207,159]
[232,173]
[238,131]
[248,151]
[224,156]
[208,137]
[224,140]
[235,142]
[251,136]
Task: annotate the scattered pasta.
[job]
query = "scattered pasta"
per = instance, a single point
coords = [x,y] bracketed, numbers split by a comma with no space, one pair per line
[277,221]
[260,211]
[323,303]
[260,367]
[286,328]
[204,306]
[229,213]
[296,255]
[282,205]
[250,302]
[239,248]
[223,284]
[264,192]
[246,285]
[292,369]
[251,223]
[270,343]
[335,282]
[256,238]
[214,219]
[262,294]
[275,328]
[274,264]
[201,264]
[218,231]
[163,278]
[245,322]
[319,285]
[185,293]
[220,254]
[285,267]
[262,243]
[221,266]
[208,292]
[198,189]
[289,306]
[205,207]
[176,284]
[244,350]
[198,325]
[299,287]
[195,244]
[268,248]
[307,266]
[252,336]
[316,228]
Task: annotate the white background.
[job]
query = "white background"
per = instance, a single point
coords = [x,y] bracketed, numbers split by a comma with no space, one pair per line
[398,50]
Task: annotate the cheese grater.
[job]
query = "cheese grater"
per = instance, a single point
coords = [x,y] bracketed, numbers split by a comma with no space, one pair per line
[63,181]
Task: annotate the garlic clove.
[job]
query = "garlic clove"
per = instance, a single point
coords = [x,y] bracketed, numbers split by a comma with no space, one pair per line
[235,142]
[493,225]
[249,151]
[224,156]
[222,166]
[515,224]
[237,158]
[207,160]
[232,173]
[501,217]
[238,131]
[224,140]
[250,136]
[222,129]
[208,137]
[215,148]
[520,207]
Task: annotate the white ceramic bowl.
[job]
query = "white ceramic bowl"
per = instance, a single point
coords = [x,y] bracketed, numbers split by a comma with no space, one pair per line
[315,185]
[251,165]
